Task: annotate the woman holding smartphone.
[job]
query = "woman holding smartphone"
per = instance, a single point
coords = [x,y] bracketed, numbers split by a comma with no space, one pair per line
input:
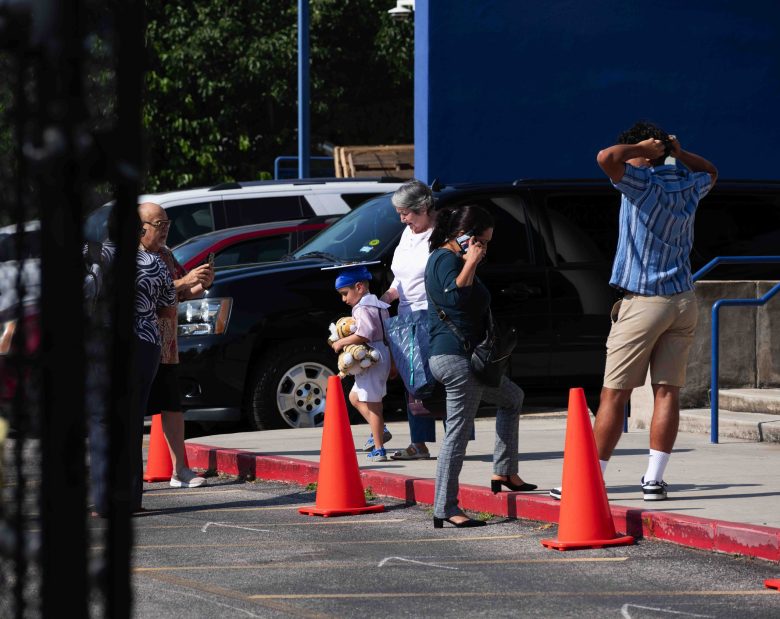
[459,243]
[164,397]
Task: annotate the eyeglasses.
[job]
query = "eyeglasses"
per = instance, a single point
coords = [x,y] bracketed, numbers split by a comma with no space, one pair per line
[159,224]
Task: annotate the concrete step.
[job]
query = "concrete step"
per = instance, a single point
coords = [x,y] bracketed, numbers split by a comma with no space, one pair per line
[766,401]
[757,427]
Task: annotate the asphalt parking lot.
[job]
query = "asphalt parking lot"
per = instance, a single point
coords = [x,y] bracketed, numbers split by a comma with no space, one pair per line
[241,549]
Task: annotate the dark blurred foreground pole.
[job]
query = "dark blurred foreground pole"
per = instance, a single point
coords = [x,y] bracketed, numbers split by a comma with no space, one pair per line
[303,88]
[124,230]
[51,154]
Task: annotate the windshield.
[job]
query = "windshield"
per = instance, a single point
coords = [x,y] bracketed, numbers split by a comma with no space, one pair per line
[96,225]
[363,234]
[189,249]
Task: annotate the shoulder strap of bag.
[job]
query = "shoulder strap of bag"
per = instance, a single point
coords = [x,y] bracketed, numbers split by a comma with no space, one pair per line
[382,322]
[448,321]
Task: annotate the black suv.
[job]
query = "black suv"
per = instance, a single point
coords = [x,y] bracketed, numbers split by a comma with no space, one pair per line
[256,347]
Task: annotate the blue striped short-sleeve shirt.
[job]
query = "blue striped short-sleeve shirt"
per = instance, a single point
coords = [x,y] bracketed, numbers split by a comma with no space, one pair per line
[656,229]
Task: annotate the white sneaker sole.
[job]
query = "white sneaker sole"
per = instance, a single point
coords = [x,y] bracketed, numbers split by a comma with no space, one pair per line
[655,497]
[175,483]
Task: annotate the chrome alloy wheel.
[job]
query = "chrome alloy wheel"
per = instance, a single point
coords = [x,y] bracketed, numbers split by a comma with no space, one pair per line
[300,395]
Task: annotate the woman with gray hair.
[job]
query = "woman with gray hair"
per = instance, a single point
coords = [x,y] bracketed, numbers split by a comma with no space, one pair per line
[414,203]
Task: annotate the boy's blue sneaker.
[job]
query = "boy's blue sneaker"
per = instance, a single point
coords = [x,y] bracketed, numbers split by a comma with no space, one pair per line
[378,455]
[369,445]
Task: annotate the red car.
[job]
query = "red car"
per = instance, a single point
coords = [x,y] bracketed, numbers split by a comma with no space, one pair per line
[249,244]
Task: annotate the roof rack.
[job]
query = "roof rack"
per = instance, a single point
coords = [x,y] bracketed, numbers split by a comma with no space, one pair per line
[224,186]
[227,186]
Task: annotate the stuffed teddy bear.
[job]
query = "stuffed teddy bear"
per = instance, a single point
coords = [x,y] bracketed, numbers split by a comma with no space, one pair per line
[342,328]
[355,358]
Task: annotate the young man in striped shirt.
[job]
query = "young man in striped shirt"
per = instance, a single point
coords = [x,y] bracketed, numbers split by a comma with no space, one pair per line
[654,323]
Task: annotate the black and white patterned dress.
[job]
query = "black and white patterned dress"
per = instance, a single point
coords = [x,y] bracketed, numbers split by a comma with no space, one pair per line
[153,290]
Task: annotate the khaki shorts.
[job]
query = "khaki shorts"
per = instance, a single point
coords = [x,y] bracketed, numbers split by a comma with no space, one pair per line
[650,331]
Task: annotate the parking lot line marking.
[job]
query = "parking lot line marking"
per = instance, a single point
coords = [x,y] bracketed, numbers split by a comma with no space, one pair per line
[288,610]
[329,564]
[313,523]
[569,560]
[511,594]
[208,600]
[248,509]
[626,615]
[232,526]
[384,561]
[339,542]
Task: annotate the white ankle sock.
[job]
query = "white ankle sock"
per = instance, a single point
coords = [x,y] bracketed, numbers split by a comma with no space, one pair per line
[657,465]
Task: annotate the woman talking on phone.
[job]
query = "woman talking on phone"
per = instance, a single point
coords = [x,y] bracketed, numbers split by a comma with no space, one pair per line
[457,297]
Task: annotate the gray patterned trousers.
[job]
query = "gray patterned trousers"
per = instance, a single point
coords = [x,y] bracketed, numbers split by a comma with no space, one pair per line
[464,393]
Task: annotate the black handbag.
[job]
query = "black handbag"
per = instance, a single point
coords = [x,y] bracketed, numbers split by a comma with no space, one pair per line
[490,358]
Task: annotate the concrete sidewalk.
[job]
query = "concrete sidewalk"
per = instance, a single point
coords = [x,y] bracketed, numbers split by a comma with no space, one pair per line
[722,497]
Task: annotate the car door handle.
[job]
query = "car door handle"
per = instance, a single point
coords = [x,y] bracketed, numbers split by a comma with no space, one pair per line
[521,291]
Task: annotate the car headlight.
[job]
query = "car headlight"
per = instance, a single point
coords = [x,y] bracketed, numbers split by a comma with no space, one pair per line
[204,316]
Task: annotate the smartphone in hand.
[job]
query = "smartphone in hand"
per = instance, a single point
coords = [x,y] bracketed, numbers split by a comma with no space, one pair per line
[211,260]
[463,241]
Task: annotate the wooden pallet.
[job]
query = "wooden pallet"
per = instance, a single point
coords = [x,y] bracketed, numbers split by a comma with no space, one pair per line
[364,161]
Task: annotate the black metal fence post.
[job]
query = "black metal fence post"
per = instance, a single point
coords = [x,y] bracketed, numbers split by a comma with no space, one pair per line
[130,23]
[54,160]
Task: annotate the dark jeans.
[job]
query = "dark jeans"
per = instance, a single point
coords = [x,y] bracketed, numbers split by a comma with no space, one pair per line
[144,364]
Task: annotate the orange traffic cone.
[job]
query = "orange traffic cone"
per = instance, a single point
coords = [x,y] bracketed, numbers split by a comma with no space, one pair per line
[339,489]
[585,520]
[159,466]
[773,583]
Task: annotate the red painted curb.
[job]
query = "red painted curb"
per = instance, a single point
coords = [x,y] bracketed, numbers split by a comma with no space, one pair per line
[703,533]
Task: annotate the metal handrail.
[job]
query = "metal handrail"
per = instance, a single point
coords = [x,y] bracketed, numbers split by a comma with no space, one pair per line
[715,332]
[733,260]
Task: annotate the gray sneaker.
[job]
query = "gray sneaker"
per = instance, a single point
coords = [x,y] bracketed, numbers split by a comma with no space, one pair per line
[556,493]
[187,479]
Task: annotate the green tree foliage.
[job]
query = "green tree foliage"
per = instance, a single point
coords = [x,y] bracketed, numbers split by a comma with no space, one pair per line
[7,162]
[221,87]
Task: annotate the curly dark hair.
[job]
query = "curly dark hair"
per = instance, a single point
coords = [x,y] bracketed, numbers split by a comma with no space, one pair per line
[642,130]
[452,221]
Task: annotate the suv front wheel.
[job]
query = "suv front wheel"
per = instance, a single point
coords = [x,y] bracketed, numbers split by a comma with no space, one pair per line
[288,386]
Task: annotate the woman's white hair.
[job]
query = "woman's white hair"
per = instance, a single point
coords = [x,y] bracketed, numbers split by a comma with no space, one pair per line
[415,196]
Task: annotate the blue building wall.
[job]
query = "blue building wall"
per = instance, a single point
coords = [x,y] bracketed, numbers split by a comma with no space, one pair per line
[509,89]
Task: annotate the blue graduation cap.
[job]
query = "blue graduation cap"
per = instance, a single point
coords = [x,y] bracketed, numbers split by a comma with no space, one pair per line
[350,274]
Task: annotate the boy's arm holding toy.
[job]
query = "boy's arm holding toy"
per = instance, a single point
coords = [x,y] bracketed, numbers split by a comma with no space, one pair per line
[339,344]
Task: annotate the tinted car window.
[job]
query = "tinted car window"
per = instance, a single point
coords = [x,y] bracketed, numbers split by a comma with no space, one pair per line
[96,225]
[31,246]
[262,210]
[356,199]
[191,248]
[737,225]
[188,220]
[510,237]
[362,234]
[265,249]
[584,227]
